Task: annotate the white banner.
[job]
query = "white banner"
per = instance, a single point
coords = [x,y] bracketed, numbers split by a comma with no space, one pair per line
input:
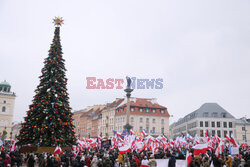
[164,163]
[234,150]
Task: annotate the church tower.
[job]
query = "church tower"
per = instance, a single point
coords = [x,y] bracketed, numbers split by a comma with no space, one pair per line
[7,101]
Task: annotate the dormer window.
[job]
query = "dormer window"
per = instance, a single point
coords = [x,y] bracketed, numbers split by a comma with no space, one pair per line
[205,114]
[223,115]
[153,110]
[132,109]
[141,110]
[147,110]
[162,111]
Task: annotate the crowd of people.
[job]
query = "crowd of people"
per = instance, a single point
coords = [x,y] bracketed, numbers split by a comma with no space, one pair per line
[112,158]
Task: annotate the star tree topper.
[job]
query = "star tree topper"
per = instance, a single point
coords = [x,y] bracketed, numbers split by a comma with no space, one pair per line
[58,21]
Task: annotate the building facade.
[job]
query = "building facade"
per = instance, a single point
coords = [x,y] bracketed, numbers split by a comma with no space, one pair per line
[211,117]
[7,101]
[108,118]
[16,127]
[243,130]
[145,114]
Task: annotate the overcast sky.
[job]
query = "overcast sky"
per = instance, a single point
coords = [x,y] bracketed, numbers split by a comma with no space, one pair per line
[201,49]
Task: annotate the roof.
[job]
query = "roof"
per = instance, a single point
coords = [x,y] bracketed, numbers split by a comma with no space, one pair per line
[142,102]
[209,110]
[148,105]
[4,83]
[242,121]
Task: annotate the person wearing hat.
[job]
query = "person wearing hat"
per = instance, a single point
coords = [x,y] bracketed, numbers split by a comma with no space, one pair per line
[144,162]
[152,162]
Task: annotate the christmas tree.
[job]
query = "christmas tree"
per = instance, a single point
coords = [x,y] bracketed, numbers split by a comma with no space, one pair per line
[49,118]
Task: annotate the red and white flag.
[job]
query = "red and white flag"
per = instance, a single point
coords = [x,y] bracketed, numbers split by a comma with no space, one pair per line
[58,150]
[143,132]
[200,149]
[13,145]
[132,132]
[128,142]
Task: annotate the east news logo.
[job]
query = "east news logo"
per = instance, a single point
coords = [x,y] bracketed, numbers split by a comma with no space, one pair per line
[118,83]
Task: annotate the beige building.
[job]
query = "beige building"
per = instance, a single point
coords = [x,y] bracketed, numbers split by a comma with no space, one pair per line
[7,101]
[243,130]
[145,114]
[108,118]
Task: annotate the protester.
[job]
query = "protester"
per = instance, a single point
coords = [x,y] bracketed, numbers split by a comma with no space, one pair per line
[152,162]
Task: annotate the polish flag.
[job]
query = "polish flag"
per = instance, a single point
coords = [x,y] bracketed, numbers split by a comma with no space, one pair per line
[228,138]
[200,149]
[143,133]
[128,142]
[132,132]
[219,149]
[189,159]
[13,145]
[232,140]
[58,150]
[119,134]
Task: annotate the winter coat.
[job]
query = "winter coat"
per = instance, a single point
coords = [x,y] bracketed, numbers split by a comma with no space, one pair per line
[94,162]
[152,163]
[120,158]
[171,162]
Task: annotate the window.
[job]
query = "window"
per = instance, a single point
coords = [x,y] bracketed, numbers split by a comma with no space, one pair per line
[224,124]
[230,133]
[205,114]
[201,133]
[223,115]
[153,110]
[132,119]
[213,124]
[153,130]
[215,114]
[147,129]
[132,109]
[225,133]
[230,125]
[243,128]
[141,119]
[3,109]
[206,123]
[162,111]
[147,120]
[147,110]
[141,110]
[201,123]
[162,130]
[4,101]
[244,137]
[213,132]
[162,121]
[218,133]
[218,124]
[153,121]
